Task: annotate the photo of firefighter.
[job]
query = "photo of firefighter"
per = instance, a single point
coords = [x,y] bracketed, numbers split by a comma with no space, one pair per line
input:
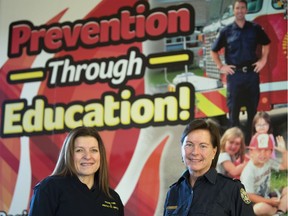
[242,65]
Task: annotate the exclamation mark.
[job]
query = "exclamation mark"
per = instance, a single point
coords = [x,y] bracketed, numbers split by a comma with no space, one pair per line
[184,102]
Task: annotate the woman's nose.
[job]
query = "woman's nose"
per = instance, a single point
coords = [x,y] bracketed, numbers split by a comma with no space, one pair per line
[195,149]
[87,155]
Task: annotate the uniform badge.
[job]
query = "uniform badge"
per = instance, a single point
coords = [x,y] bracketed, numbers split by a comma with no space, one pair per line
[244,196]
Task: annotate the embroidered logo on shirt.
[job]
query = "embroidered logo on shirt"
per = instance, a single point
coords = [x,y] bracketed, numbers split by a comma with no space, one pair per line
[244,196]
[111,205]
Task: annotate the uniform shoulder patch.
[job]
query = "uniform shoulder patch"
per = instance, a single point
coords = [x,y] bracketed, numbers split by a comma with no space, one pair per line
[244,196]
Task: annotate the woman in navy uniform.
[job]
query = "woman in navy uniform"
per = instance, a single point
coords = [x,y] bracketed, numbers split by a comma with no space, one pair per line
[201,190]
[79,183]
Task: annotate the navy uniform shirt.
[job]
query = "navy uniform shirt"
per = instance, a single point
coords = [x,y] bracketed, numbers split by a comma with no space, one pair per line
[61,196]
[213,194]
[240,43]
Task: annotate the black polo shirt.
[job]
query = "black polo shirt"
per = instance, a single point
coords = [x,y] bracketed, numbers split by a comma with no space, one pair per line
[63,196]
[240,43]
[213,194]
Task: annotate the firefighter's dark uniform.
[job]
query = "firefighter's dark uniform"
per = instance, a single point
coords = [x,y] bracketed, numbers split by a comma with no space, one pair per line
[213,194]
[65,195]
[241,51]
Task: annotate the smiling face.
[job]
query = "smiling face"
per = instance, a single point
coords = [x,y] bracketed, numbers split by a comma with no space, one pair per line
[260,156]
[198,152]
[86,157]
[261,126]
[240,10]
[233,145]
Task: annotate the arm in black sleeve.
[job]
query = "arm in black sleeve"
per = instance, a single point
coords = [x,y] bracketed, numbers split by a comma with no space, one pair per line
[243,205]
[42,203]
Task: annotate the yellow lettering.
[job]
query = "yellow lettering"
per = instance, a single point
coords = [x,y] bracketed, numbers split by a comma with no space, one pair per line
[70,116]
[111,112]
[54,120]
[12,119]
[94,116]
[31,123]
[168,106]
[125,107]
[142,111]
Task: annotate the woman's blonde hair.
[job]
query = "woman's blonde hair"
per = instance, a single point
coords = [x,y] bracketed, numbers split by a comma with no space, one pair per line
[230,134]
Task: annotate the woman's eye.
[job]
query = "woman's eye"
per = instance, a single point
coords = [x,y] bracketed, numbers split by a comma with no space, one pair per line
[203,146]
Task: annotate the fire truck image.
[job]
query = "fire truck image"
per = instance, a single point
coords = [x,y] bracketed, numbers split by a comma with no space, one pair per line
[210,90]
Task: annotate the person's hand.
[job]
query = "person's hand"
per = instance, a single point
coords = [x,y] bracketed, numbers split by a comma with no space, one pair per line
[259,65]
[227,69]
[281,145]
[274,201]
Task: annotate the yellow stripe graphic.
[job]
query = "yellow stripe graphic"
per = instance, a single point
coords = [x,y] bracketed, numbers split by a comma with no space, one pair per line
[223,92]
[26,75]
[169,59]
[206,106]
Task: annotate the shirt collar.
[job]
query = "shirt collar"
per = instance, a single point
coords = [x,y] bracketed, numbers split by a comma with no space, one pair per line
[77,180]
[211,176]
[246,24]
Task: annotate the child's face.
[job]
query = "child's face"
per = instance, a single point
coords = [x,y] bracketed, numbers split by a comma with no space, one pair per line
[232,146]
[260,156]
[261,126]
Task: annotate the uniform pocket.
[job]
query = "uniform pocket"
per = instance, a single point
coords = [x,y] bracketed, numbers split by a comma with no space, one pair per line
[233,43]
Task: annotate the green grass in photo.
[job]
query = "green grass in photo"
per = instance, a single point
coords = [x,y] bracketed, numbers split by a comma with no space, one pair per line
[279,179]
